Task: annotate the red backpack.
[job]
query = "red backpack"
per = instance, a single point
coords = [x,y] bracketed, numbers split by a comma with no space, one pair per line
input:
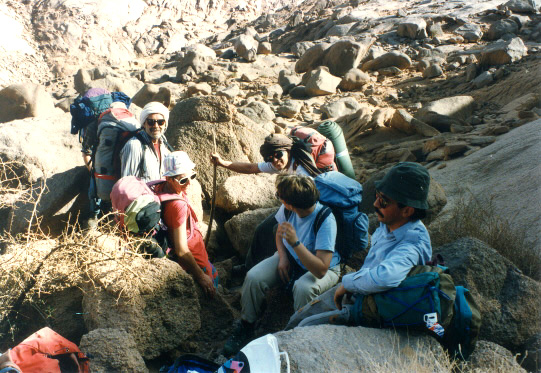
[46,351]
[322,148]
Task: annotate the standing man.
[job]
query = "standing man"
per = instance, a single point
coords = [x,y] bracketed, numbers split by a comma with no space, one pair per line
[144,157]
[399,243]
[305,260]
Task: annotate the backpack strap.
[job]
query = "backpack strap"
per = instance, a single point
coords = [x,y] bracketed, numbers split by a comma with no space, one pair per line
[321,216]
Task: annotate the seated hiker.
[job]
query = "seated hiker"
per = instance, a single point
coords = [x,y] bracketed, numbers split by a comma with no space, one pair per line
[305,261]
[399,243]
[144,159]
[280,153]
[179,217]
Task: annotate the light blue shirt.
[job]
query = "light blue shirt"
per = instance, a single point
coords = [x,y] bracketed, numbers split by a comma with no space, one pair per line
[326,235]
[390,258]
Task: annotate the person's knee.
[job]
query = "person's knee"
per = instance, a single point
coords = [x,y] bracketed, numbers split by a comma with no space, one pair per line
[303,289]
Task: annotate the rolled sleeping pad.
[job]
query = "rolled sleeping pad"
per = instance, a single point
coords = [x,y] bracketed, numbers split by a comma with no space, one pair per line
[333,132]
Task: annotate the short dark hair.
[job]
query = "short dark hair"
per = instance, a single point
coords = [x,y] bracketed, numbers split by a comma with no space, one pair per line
[418,214]
[298,191]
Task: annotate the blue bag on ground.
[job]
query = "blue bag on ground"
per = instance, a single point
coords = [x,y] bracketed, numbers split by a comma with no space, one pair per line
[191,363]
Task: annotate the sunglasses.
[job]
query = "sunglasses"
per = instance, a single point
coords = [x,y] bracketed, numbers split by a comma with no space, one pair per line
[276,155]
[184,180]
[153,122]
[384,201]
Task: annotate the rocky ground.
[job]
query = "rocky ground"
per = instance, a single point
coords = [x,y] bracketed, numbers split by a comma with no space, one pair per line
[451,84]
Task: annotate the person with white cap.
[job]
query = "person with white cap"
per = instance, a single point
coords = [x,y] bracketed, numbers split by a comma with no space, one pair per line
[179,217]
[144,159]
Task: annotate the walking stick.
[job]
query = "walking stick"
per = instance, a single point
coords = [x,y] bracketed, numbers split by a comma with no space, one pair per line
[213,202]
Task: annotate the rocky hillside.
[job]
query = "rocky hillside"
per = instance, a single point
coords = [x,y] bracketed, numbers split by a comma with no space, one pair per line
[453,85]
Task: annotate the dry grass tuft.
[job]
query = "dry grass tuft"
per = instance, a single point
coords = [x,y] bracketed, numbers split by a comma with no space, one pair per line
[476,217]
[35,265]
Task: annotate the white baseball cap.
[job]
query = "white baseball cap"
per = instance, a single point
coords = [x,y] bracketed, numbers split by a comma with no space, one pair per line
[177,163]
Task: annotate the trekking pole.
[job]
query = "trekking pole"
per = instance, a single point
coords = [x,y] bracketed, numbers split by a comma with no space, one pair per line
[213,202]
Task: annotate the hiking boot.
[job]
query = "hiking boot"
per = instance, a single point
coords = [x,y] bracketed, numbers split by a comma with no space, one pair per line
[240,336]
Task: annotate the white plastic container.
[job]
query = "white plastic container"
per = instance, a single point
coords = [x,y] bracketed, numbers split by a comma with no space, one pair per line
[264,356]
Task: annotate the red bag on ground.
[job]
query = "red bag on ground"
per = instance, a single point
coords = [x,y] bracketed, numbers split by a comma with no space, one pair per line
[43,351]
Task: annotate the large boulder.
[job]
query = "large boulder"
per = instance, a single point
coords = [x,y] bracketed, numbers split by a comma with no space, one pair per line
[471,32]
[354,79]
[508,167]
[500,28]
[194,121]
[441,114]
[312,58]
[314,349]
[112,350]
[159,308]
[413,28]
[489,356]
[105,78]
[321,82]
[40,152]
[19,101]
[396,59]
[523,6]
[508,300]
[198,57]
[258,111]
[406,123]
[246,192]
[246,47]
[36,277]
[503,52]
[152,92]
[341,107]
[240,228]
[345,55]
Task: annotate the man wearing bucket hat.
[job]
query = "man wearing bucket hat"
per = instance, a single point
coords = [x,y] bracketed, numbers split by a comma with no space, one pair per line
[144,159]
[399,243]
[179,217]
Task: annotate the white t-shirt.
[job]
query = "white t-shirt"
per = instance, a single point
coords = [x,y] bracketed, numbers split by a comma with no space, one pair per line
[268,168]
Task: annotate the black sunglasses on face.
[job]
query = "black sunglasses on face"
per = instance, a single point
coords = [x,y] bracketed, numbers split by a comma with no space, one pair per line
[153,122]
[383,200]
[275,155]
[184,180]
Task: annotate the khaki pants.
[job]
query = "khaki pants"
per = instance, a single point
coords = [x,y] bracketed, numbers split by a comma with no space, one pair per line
[265,275]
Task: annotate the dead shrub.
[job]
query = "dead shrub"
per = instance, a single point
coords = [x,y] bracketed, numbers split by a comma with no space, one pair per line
[476,217]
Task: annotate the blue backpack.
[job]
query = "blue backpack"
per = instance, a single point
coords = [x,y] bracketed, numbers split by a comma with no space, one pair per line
[426,300]
[343,196]
[87,108]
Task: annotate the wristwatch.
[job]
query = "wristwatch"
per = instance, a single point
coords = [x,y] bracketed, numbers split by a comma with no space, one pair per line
[296,244]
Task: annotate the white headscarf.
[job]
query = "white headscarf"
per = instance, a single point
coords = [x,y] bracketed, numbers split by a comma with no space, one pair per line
[154,108]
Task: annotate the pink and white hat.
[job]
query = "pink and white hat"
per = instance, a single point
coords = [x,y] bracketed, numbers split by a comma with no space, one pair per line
[177,163]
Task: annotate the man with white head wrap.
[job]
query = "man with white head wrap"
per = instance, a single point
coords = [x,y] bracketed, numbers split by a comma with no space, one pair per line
[144,159]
